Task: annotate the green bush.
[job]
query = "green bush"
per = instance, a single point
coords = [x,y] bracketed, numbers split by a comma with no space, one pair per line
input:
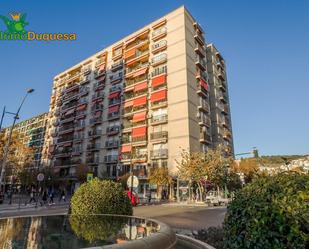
[100,197]
[272,212]
[212,236]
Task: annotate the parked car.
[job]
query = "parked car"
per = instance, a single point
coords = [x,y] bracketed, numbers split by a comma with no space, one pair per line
[213,198]
[1,197]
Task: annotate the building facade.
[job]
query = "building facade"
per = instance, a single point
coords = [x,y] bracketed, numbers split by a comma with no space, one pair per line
[32,133]
[138,102]
[221,124]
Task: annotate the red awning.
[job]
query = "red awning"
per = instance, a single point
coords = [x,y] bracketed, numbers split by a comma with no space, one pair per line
[140,101]
[159,80]
[102,67]
[138,117]
[114,95]
[204,84]
[130,53]
[140,72]
[113,109]
[138,132]
[140,86]
[81,107]
[158,96]
[128,103]
[69,112]
[126,148]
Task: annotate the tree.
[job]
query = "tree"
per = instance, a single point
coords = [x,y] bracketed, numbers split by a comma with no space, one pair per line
[198,167]
[160,177]
[81,172]
[249,167]
[19,157]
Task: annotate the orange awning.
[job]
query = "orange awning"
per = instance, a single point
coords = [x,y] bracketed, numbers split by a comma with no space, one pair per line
[159,80]
[140,86]
[114,95]
[204,84]
[138,117]
[140,72]
[140,101]
[81,107]
[158,96]
[113,109]
[138,132]
[126,148]
[128,103]
[130,53]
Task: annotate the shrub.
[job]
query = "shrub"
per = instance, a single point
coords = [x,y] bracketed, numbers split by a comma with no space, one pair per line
[272,212]
[212,236]
[100,197]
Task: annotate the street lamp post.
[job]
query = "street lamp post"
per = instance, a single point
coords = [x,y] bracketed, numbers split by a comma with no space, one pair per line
[7,146]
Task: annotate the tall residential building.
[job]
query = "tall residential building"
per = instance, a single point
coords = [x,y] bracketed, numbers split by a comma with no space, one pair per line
[32,133]
[138,102]
[221,125]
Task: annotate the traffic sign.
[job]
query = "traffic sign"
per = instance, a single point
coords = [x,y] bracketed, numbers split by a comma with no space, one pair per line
[40,177]
[135,182]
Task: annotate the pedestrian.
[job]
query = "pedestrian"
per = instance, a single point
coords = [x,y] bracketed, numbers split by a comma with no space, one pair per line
[62,196]
[51,197]
[149,197]
[32,197]
[10,195]
[44,198]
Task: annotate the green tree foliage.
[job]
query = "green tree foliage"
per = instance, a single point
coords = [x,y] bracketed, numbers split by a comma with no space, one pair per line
[81,172]
[271,212]
[100,197]
[160,177]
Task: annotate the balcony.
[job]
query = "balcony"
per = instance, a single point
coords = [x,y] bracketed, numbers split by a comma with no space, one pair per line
[116,66]
[86,70]
[92,160]
[204,106]
[111,159]
[205,138]
[159,119]
[126,156]
[67,119]
[68,106]
[100,61]
[94,133]
[65,139]
[80,125]
[111,144]
[64,163]
[159,33]
[78,137]
[136,81]
[98,85]
[159,154]
[97,107]
[83,91]
[159,46]
[159,104]
[82,101]
[222,97]
[97,95]
[200,50]
[93,147]
[139,157]
[113,130]
[72,87]
[116,78]
[66,129]
[221,74]
[140,173]
[139,139]
[204,121]
[115,89]
[114,101]
[222,85]
[63,153]
[200,62]
[159,59]
[81,113]
[199,38]
[112,116]
[133,70]
[161,135]
[95,121]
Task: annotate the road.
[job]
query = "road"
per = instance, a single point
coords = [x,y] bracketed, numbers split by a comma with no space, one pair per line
[176,216]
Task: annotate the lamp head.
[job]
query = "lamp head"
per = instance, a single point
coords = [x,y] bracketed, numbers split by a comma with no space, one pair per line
[30,90]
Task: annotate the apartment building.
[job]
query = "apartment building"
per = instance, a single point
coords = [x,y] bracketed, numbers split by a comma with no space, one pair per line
[138,102]
[32,134]
[221,125]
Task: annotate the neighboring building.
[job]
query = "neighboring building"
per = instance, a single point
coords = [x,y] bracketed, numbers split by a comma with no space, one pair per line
[140,101]
[221,124]
[32,133]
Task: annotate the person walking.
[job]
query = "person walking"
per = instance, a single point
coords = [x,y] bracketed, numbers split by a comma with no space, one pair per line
[44,198]
[62,196]
[32,197]
[10,195]
[51,197]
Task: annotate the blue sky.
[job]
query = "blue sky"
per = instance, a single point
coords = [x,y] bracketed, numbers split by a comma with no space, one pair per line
[265,44]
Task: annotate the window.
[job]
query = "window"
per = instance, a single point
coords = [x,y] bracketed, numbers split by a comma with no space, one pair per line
[159,70]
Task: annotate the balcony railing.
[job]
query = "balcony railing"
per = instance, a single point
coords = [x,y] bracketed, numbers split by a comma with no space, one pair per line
[159,135]
[98,95]
[67,106]
[117,66]
[159,46]
[159,119]
[114,101]
[136,80]
[93,146]
[111,144]
[159,59]
[84,91]
[157,34]
[94,133]
[160,153]
[115,89]
[111,159]
[139,139]
[65,139]
[136,68]
[115,78]
[97,108]
[66,128]
[113,115]
[95,120]
[200,62]
[112,130]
